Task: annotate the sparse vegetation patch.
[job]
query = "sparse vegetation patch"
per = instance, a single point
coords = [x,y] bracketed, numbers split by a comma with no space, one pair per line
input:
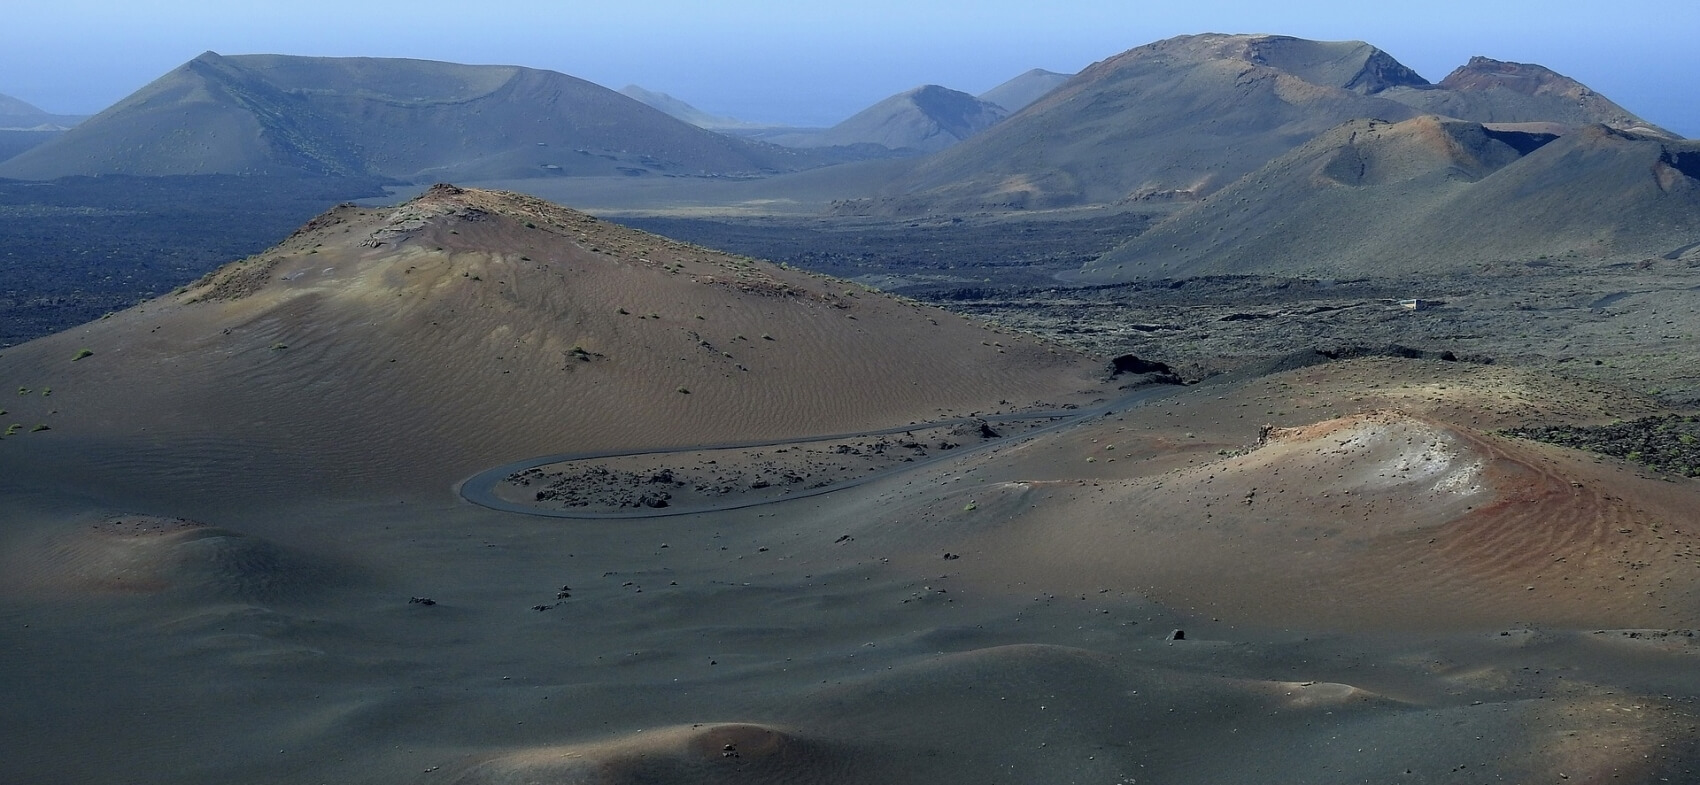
[1668,445]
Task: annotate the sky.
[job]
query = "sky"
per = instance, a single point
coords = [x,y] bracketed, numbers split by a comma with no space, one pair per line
[783,61]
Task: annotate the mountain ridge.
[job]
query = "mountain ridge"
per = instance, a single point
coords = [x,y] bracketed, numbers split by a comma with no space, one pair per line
[1177,119]
[1203,110]
[1432,196]
[1486,90]
[404,119]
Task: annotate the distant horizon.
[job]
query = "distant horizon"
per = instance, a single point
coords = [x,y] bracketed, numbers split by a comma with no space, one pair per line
[778,64]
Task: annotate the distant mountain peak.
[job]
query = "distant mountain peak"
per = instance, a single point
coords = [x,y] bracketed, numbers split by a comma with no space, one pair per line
[1016,94]
[1482,72]
[1348,65]
[680,110]
[957,113]
[929,117]
[19,115]
[12,107]
[1489,90]
[1381,72]
[922,119]
[1368,70]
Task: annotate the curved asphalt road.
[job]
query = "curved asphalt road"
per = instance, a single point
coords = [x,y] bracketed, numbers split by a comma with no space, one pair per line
[480,488]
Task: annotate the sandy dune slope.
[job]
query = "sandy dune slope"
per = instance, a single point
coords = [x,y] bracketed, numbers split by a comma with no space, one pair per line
[466,328]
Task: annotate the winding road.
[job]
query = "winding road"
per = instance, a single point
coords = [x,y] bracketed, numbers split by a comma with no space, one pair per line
[480,488]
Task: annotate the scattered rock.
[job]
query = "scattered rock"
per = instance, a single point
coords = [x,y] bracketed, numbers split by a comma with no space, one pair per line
[1392,350]
[1128,363]
[1147,371]
[975,429]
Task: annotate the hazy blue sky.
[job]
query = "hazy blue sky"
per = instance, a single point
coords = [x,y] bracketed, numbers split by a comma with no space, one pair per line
[809,63]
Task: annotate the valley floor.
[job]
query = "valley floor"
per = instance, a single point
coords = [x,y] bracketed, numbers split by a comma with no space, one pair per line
[1167,593]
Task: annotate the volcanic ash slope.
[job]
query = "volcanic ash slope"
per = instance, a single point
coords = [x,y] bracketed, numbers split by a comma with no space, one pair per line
[1380,497]
[466,328]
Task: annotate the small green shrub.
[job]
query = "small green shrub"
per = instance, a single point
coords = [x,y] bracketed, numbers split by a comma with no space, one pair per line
[40,427]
